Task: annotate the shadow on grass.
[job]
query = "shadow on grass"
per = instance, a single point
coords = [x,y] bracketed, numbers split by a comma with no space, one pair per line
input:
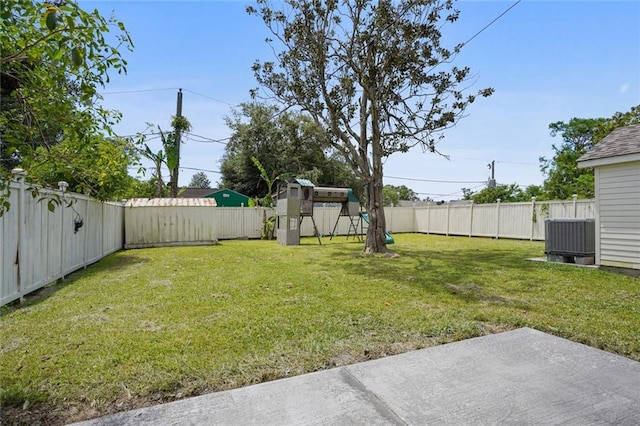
[113,263]
[459,272]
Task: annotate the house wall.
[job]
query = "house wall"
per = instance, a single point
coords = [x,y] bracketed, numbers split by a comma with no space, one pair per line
[618,215]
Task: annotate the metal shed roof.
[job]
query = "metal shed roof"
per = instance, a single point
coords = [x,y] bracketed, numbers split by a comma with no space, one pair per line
[305,182]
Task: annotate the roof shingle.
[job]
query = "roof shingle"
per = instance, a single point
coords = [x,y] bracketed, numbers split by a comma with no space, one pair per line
[622,141]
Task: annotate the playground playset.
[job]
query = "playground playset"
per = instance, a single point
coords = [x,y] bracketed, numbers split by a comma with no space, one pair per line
[295,201]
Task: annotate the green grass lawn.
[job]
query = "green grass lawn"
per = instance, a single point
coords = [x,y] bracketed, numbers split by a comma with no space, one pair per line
[153,325]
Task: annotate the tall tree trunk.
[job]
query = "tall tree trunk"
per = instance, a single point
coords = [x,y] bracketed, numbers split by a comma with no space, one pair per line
[159,182]
[376,239]
[173,183]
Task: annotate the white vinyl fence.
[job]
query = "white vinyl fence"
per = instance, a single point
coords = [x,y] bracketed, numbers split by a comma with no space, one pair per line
[184,225]
[499,220]
[149,226]
[39,246]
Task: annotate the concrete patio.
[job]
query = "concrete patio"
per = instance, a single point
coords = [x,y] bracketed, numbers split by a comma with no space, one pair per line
[520,377]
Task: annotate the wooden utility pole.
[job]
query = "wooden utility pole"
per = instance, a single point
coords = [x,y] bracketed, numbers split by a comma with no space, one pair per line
[492,180]
[174,181]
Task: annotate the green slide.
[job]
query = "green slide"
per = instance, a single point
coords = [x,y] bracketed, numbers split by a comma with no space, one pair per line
[388,236]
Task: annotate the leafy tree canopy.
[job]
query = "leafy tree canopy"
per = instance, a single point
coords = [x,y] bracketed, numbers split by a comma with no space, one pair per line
[392,195]
[94,166]
[199,180]
[285,144]
[505,193]
[619,119]
[373,73]
[563,178]
[55,56]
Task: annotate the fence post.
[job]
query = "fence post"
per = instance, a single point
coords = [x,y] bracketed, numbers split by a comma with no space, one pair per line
[413,218]
[428,215]
[19,175]
[498,219]
[448,215]
[102,233]
[575,205]
[86,230]
[471,219]
[534,218]
[62,185]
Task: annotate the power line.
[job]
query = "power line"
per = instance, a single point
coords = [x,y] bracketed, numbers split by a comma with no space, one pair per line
[455,157]
[210,97]
[447,195]
[492,22]
[121,92]
[434,180]
[205,139]
[201,170]
[181,167]
[124,92]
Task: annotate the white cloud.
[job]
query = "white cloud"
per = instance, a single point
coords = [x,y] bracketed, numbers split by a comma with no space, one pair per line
[624,88]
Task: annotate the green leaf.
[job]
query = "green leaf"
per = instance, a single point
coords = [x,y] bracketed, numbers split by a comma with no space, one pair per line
[51,205]
[59,53]
[52,19]
[76,56]
[71,23]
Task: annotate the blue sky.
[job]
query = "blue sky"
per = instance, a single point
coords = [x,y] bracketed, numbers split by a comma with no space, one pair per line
[547,60]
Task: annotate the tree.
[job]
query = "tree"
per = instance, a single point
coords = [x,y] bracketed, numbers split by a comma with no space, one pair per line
[138,188]
[171,143]
[392,195]
[168,156]
[269,179]
[375,75]
[96,166]
[158,159]
[287,144]
[199,180]
[54,58]
[505,193]
[619,119]
[563,177]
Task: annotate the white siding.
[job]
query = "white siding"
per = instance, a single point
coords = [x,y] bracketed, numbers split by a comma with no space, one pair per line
[618,218]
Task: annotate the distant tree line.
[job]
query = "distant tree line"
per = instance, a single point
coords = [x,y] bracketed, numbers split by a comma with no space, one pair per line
[563,178]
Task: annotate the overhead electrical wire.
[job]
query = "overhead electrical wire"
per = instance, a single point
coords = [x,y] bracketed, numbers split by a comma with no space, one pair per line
[455,157]
[211,97]
[434,180]
[161,89]
[447,195]
[206,139]
[122,92]
[201,170]
[491,23]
